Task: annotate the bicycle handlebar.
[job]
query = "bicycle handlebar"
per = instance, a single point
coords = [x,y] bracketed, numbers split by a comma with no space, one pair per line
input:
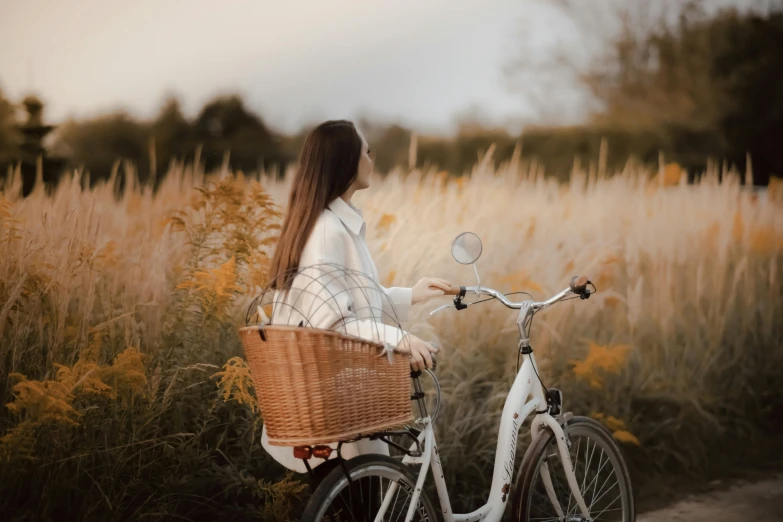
[578,285]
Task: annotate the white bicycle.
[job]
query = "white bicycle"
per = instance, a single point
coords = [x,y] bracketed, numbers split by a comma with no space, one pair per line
[571,472]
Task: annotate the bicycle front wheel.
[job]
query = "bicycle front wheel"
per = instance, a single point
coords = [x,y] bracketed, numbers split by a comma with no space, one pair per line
[542,491]
[377,483]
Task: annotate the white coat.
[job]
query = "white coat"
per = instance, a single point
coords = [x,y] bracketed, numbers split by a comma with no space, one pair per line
[352,302]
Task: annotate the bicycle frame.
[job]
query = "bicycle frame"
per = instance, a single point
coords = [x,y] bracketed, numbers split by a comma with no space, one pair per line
[525,397]
[516,409]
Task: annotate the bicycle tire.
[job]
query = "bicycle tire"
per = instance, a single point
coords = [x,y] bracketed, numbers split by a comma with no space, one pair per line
[364,466]
[528,478]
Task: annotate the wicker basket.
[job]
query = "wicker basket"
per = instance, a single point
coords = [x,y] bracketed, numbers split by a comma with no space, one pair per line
[319,386]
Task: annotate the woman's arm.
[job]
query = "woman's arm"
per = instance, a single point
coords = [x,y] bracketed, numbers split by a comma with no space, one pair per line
[401,299]
[397,303]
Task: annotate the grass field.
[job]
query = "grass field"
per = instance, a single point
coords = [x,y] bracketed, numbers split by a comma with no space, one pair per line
[117,311]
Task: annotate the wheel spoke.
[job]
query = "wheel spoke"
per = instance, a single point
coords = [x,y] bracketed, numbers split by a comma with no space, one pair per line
[396,496]
[368,491]
[601,493]
[603,482]
[348,506]
[597,473]
[545,501]
[571,498]
[607,507]
[607,491]
[588,461]
[575,462]
[595,482]
[549,492]
[372,499]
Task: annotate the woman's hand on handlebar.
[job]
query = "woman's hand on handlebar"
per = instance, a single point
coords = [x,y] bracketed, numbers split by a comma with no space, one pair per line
[429,287]
[421,352]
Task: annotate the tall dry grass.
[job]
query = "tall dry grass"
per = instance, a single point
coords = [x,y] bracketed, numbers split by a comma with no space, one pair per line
[117,311]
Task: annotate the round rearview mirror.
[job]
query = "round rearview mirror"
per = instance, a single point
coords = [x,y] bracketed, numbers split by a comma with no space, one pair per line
[466,248]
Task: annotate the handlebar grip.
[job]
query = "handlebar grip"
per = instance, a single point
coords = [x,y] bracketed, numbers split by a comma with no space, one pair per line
[454,290]
[579,284]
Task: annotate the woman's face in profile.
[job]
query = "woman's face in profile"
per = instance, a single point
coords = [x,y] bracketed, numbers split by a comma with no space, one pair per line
[365,166]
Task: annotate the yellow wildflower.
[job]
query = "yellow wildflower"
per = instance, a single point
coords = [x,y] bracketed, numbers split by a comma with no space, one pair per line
[216,287]
[386,221]
[627,437]
[126,375]
[600,360]
[235,383]
[43,401]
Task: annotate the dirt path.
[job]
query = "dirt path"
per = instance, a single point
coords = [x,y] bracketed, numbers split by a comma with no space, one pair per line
[742,502]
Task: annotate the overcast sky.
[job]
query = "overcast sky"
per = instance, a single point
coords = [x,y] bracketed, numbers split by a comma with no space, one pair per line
[420,62]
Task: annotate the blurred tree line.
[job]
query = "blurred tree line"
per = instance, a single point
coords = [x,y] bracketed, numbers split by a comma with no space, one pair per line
[223,132]
[683,81]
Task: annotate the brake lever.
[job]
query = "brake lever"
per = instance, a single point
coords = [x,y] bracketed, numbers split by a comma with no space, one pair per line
[458,304]
[585,294]
[438,309]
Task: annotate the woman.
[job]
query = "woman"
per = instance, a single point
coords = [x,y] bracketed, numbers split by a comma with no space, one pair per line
[322,231]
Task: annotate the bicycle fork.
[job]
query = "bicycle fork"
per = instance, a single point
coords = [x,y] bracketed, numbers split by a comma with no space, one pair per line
[568,468]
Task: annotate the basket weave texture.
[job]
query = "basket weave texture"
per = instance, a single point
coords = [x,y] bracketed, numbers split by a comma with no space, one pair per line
[319,386]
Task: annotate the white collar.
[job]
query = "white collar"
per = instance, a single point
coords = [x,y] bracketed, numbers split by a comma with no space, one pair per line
[348,214]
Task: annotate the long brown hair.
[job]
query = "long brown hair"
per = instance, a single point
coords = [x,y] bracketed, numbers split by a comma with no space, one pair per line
[328,166]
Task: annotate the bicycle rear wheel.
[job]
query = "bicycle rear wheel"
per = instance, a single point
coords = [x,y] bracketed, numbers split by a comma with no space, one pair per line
[600,472]
[377,481]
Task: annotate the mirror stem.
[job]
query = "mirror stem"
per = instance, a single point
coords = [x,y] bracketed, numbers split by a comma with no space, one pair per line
[477,276]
